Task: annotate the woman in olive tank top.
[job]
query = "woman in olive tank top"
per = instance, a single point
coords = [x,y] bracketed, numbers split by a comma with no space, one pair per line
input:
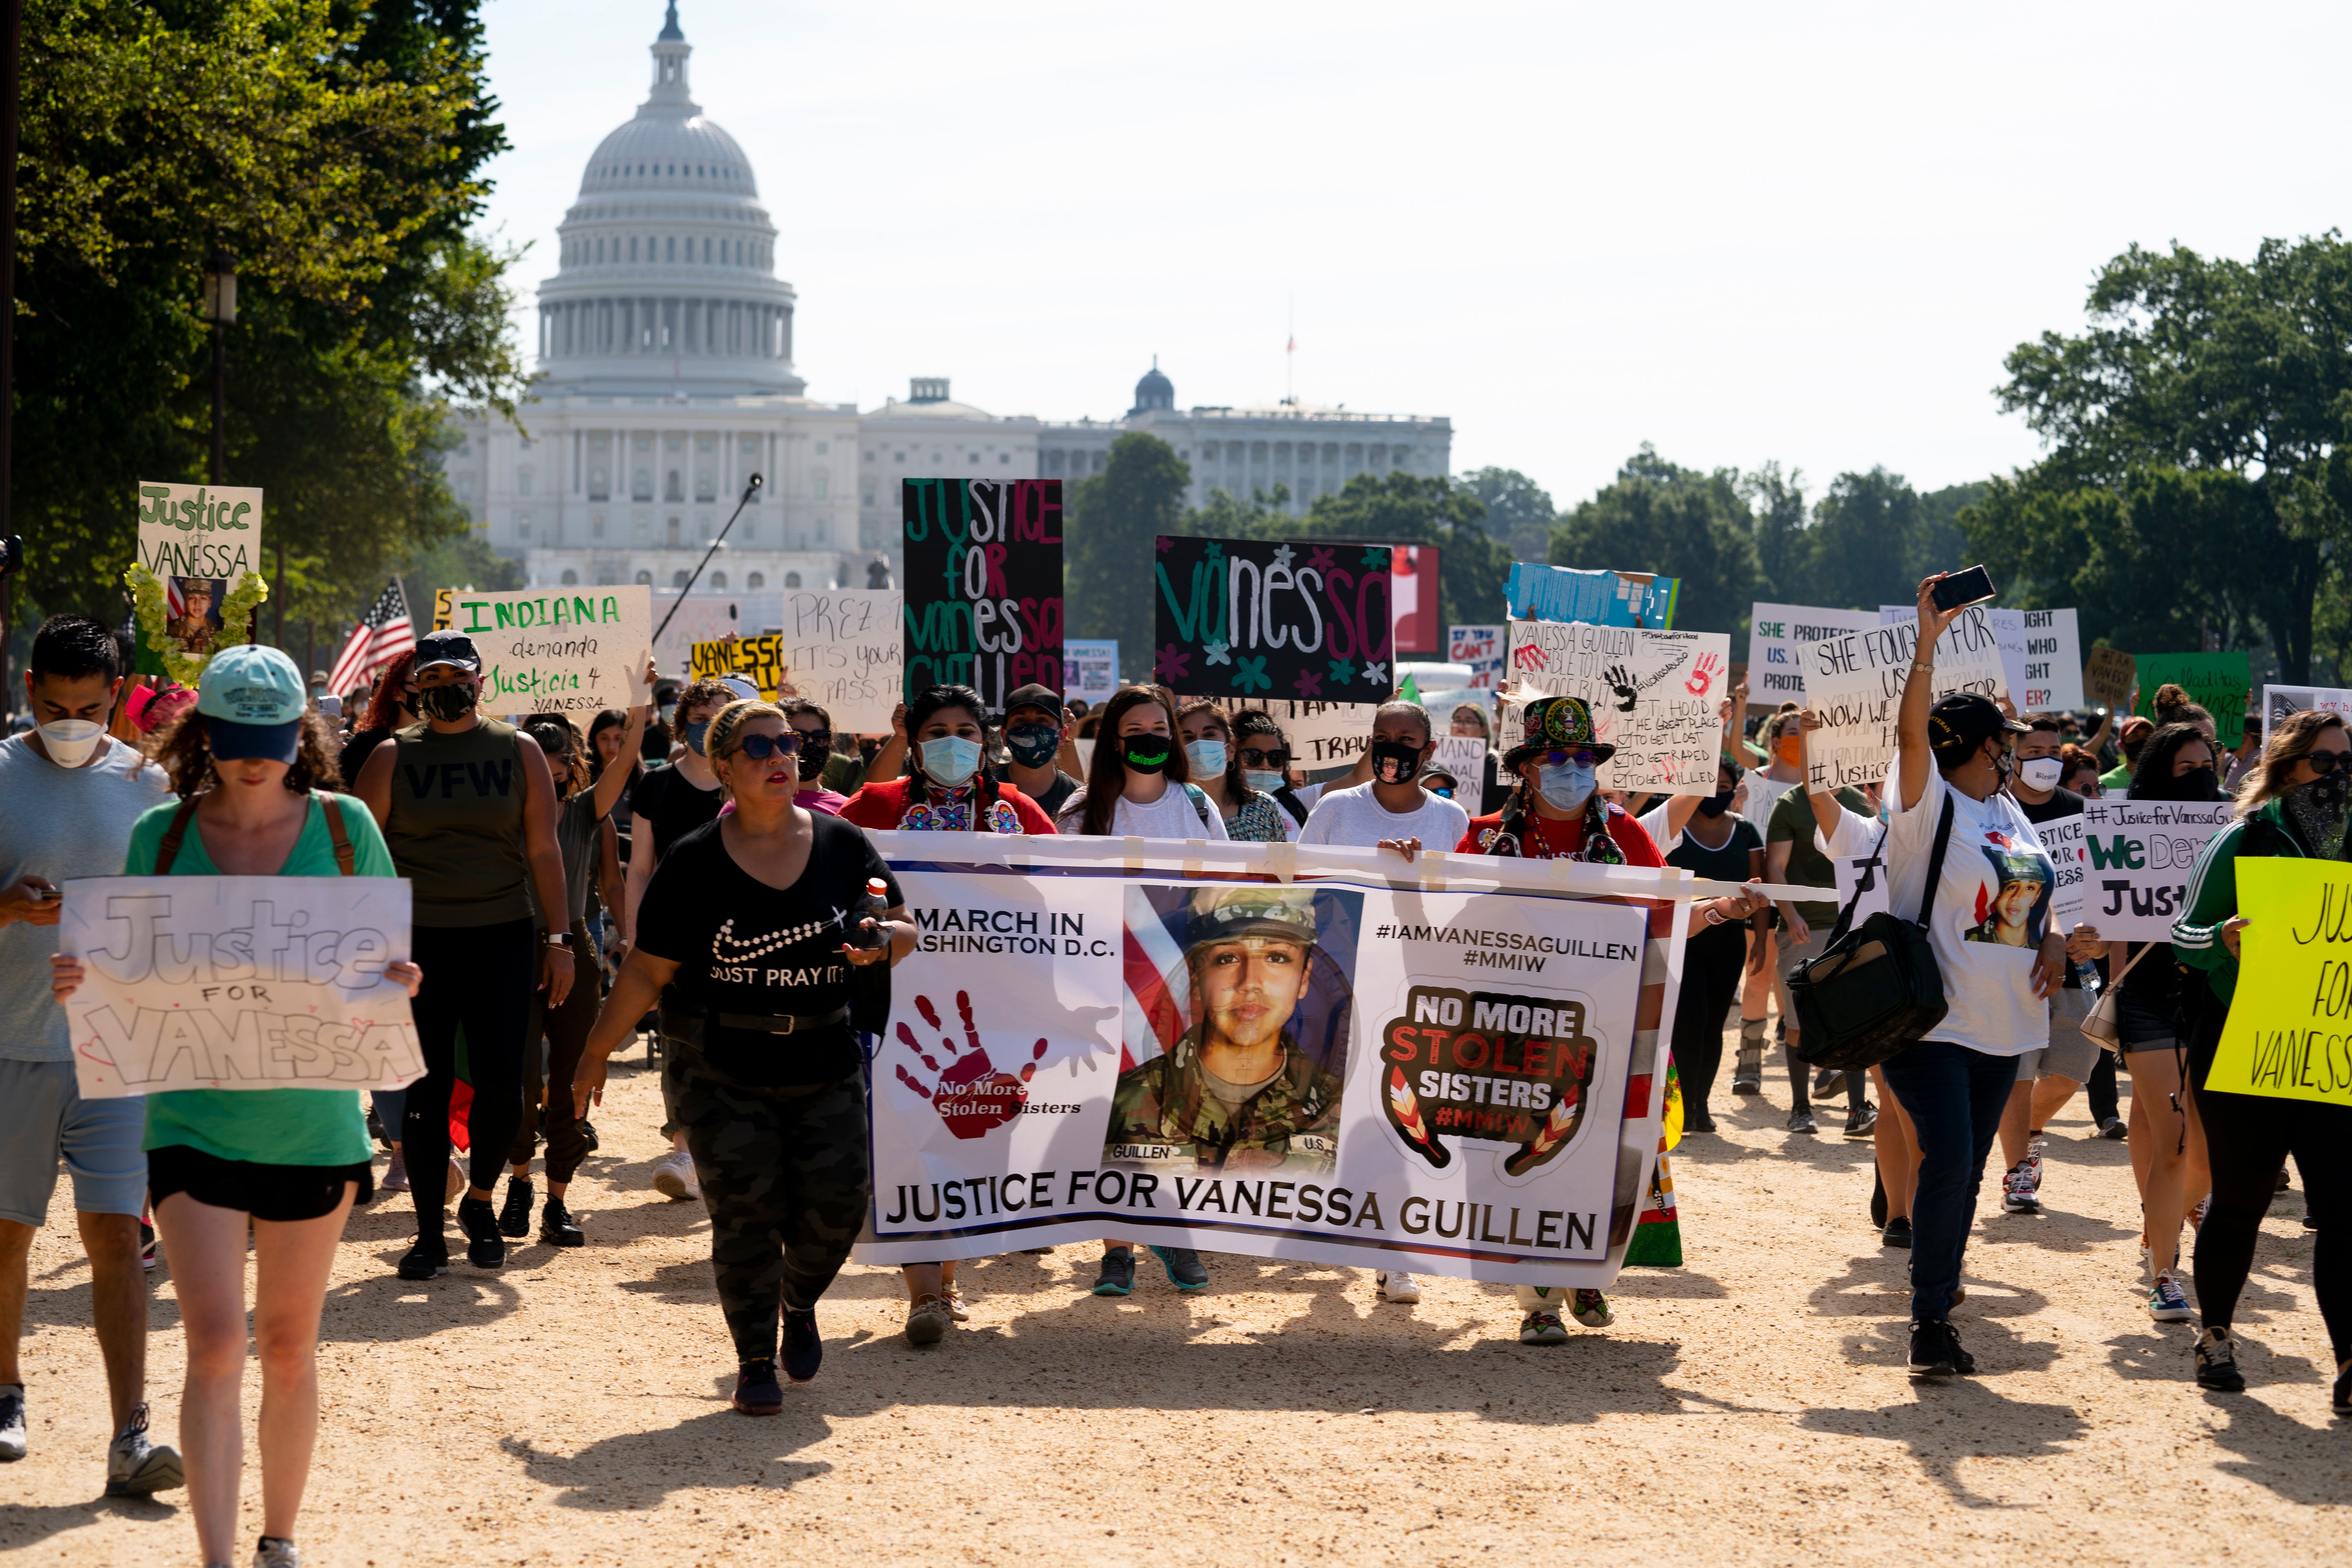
[467,806]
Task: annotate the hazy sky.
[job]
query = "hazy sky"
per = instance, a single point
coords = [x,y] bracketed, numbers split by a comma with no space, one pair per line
[1804,232]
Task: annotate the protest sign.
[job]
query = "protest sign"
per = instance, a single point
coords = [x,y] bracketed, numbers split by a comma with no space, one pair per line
[1413,574]
[2109,675]
[2289,1032]
[572,650]
[983,589]
[1480,647]
[1854,681]
[1321,735]
[2281,703]
[1465,757]
[1457,1085]
[761,659]
[702,617]
[2063,840]
[239,982]
[1242,619]
[2040,654]
[2218,682]
[1601,598]
[199,542]
[1090,670]
[843,652]
[1653,695]
[2137,857]
[1778,635]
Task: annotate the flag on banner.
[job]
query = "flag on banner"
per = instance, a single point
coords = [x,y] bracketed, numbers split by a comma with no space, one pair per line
[384,634]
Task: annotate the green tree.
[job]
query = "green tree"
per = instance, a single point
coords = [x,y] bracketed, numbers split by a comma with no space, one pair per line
[1107,560]
[1403,509]
[1784,553]
[1677,522]
[1519,512]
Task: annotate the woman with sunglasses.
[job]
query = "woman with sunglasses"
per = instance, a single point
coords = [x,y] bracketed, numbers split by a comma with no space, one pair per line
[761,1068]
[1264,752]
[2294,804]
[1251,816]
[814,727]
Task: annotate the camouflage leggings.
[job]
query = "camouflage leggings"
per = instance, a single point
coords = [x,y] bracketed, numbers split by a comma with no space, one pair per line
[787,1176]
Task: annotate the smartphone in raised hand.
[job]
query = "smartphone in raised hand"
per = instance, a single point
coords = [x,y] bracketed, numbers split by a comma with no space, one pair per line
[1959,589]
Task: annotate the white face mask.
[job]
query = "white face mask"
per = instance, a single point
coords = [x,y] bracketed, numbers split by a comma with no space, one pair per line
[70,741]
[2040,773]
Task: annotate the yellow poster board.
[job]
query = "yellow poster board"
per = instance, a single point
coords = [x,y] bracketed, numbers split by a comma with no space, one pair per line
[2289,1033]
[762,658]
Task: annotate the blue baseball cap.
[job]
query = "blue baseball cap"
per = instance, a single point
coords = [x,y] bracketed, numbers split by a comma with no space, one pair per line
[252,699]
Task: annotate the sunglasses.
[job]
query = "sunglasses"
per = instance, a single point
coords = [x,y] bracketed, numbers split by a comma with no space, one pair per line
[1580,758]
[1252,758]
[760,747]
[2326,763]
[815,740]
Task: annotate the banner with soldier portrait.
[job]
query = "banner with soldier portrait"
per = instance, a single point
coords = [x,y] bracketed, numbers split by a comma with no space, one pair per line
[1462,1076]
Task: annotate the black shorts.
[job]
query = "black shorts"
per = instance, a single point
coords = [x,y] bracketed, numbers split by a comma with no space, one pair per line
[280,1193]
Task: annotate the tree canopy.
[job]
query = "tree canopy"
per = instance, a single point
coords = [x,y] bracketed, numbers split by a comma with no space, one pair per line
[1113,518]
[1519,511]
[1676,522]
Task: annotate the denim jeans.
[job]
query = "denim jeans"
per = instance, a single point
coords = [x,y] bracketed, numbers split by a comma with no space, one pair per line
[1955,1097]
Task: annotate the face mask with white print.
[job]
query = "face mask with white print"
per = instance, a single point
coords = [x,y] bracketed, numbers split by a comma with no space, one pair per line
[2041,773]
[70,741]
[950,759]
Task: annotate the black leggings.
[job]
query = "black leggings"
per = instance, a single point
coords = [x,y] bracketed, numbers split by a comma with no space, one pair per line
[479,979]
[1711,964]
[567,1038]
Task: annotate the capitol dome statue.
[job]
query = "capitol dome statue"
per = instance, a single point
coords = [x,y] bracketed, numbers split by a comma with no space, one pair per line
[667,280]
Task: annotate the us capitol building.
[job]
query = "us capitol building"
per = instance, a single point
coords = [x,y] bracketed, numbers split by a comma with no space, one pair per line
[666,379]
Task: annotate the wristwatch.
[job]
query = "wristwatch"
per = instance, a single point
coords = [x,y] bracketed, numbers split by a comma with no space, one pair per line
[561,939]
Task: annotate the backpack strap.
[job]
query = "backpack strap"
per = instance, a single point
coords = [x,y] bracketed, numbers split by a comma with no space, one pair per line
[169,850]
[1935,860]
[1863,884]
[1200,803]
[346,862]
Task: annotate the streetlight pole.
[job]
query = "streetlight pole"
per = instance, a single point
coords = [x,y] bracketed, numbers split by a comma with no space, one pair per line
[13,22]
[220,309]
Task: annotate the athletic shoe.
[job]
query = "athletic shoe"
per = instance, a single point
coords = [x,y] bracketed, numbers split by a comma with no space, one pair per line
[2342,1405]
[2168,1304]
[395,1175]
[757,1392]
[1897,1232]
[12,1422]
[1963,1362]
[1397,1285]
[954,1298]
[2310,1220]
[926,1321]
[459,1186]
[2035,1143]
[514,1217]
[555,1225]
[136,1467]
[147,1258]
[2282,1183]
[1118,1276]
[1802,1121]
[2114,1130]
[674,1176]
[1747,1075]
[1699,1122]
[1590,1308]
[1933,1349]
[1542,1328]
[1184,1268]
[275,1552]
[2217,1363]
[429,1259]
[1826,1079]
[1877,1197]
[588,1142]
[1861,1123]
[2197,1214]
[804,1346]
[2021,1188]
[485,1247]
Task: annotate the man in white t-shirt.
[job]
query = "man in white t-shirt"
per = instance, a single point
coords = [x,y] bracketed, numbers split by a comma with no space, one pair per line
[1392,812]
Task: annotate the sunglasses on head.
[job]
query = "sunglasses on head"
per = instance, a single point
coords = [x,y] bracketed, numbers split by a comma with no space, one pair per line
[2325,763]
[760,747]
[1583,759]
[1254,758]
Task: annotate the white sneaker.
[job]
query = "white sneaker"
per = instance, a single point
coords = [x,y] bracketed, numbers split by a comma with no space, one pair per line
[2168,1304]
[674,1176]
[12,1422]
[1395,1285]
[136,1466]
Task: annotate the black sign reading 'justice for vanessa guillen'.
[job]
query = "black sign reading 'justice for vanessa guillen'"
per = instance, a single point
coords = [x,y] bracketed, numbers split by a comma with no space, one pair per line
[1252,620]
[983,585]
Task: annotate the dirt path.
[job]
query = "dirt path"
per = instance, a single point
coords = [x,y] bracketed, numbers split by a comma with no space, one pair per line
[1749,1407]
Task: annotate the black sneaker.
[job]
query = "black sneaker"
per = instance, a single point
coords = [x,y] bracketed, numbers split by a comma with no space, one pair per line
[429,1259]
[2114,1129]
[1826,1079]
[1933,1349]
[1963,1362]
[588,1142]
[757,1392]
[555,1226]
[1862,1123]
[1699,1122]
[1878,1199]
[1118,1276]
[147,1258]
[2217,1363]
[485,1247]
[2342,1405]
[1802,1121]
[1897,1232]
[1183,1266]
[514,1217]
[804,1346]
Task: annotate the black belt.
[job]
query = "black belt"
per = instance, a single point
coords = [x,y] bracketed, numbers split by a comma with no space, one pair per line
[778,1023]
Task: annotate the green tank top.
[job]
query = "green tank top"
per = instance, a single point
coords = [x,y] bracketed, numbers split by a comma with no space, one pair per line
[455,829]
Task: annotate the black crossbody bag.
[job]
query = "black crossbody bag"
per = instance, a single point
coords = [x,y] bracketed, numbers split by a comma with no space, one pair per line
[1876,988]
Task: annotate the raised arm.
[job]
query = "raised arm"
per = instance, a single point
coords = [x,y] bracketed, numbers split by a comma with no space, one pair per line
[1918,685]
[616,777]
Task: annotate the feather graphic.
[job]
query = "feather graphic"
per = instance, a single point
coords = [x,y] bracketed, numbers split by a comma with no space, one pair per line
[1566,1112]
[1405,1106]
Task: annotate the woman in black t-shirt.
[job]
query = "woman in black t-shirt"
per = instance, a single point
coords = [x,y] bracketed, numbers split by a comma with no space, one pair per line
[747,935]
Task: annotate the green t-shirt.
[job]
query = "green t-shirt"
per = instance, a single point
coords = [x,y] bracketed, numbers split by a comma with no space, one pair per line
[267,1126]
[2117,777]
[1792,824]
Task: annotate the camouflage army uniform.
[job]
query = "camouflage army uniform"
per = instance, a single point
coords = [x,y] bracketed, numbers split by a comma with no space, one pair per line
[1163,1114]
[786,1175]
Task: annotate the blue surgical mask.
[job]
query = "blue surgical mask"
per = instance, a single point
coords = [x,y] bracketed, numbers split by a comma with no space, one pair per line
[950,759]
[1207,757]
[691,734]
[1565,786]
[1266,781]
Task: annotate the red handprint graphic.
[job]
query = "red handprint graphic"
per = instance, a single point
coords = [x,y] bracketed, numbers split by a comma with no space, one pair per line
[1703,676]
[969,1094]
[1530,657]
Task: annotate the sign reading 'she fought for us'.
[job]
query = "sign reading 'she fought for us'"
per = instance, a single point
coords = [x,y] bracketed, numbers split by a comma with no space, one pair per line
[574,650]
[1248,620]
[983,590]
[1653,695]
[1778,635]
[199,539]
[1854,681]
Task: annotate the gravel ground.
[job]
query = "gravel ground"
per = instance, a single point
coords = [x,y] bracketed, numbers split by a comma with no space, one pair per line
[1751,1406]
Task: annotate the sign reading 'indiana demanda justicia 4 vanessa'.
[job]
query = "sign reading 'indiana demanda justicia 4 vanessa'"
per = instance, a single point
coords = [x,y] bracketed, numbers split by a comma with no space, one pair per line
[1245,620]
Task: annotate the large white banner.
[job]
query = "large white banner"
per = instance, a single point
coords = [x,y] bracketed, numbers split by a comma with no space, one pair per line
[570,651]
[239,982]
[1854,681]
[1454,1079]
[1778,635]
[2137,857]
[2040,654]
[1653,695]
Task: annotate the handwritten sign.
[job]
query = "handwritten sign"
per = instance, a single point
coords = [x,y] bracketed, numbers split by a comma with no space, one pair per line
[2216,682]
[843,652]
[1320,735]
[760,658]
[1090,668]
[1245,620]
[570,650]
[2064,838]
[1601,598]
[983,605]
[2137,855]
[2107,677]
[1480,647]
[2289,1032]
[1854,681]
[1653,695]
[1463,756]
[1778,635]
[200,540]
[703,617]
[239,982]
[2040,654]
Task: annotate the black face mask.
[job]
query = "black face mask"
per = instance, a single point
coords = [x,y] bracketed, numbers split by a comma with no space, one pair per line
[1394,762]
[815,747]
[1033,745]
[448,703]
[1715,804]
[2198,784]
[1145,754]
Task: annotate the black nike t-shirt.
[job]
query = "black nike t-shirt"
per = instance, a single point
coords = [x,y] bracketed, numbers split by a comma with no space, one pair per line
[743,947]
[667,799]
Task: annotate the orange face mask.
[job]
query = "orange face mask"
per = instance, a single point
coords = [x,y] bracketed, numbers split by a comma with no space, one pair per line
[1789,749]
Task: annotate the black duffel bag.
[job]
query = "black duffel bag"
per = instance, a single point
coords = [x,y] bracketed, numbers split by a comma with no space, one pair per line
[1875,988]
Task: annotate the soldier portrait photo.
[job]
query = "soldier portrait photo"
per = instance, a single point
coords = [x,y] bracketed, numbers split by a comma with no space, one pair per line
[1249,1021]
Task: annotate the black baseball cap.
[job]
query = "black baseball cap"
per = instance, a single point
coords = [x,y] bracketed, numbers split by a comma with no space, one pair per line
[1960,723]
[1036,696]
[446,647]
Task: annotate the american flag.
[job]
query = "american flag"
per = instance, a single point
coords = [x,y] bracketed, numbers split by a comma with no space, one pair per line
[384,634]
